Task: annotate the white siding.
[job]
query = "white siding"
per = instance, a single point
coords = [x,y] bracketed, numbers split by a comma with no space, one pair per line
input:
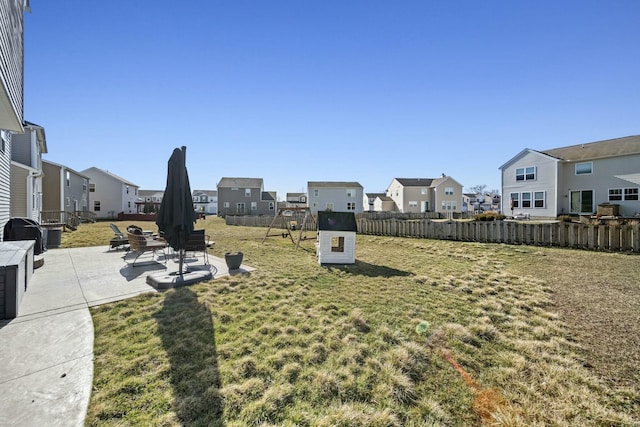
[5,182]
[546,171]
[19,192]
[323,247]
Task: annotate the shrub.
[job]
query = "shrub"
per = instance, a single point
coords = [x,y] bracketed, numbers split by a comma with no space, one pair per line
[489,216]
[565,218]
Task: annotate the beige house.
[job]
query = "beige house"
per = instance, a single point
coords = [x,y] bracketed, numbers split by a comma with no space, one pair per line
[419,195]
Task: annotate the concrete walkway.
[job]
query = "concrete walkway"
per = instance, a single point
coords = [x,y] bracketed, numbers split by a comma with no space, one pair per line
[46,353]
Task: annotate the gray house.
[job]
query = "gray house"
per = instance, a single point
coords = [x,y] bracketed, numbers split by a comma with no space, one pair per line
[64,189]
[335,196]
[245,196]
[11,93]
[26,171]
[575,179]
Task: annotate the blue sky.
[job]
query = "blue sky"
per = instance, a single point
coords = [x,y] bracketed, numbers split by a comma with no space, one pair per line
[297,91]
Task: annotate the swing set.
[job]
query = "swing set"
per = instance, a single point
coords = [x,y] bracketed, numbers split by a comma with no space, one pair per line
[288,220]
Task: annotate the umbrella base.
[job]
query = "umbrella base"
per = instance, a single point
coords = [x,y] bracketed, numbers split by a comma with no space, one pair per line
[174,280]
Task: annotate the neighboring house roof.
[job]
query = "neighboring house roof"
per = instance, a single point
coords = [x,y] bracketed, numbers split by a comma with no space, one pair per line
[415,182]
[295,194]
[149,193]
[205,192]
[268,196]
[42,139]
[333,184]
[597,150]
[337,221]
[374,195]
[240,182]
[112,175]
[66,168]
[385,198]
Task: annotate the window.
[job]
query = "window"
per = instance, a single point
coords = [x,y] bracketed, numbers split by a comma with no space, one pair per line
[240,208]
[272,206]
[68,201]
[254,206]
[303,199]
[413,204]
[127,189]
[316,192]
[526,200]
[515,202]
[129,204]
[329,207]
[584,168]
[92,188]
[448,191]
[337,244]
[351,206]
[84,185]
[96,205]
[351,192]
[631,194]
[526,174]
[538,199]
[68,178]
[615,194]
[424,191]
[247,192]
[225,204]
[449,205]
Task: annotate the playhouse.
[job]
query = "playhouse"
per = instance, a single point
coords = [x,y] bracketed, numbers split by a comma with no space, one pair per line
[336,238]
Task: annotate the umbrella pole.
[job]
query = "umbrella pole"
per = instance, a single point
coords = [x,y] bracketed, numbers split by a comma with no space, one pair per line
[181,260]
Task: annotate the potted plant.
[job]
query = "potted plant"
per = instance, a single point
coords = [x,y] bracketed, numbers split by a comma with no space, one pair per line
[233,260]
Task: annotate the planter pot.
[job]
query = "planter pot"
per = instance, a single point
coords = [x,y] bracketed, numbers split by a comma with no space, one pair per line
[233,260]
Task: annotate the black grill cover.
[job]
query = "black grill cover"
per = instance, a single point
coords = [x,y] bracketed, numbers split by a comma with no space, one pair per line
[24,229]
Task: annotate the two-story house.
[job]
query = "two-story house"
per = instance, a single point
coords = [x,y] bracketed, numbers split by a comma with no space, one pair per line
[149,201]
[419,195]
[11,93]
[335,196]
[63,189]
[206,201]
[26,171]
[296,200]
[574,179]
[110,194]
[378,202]
[245,196]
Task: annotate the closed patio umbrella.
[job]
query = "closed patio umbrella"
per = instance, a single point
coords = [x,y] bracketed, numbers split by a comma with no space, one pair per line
[176,216]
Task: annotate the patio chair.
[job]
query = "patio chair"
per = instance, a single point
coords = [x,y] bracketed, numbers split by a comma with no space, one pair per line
[198,241]
[119,239]
[141,244]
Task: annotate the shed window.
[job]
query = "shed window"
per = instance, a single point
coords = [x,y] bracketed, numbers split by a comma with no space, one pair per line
[337,244]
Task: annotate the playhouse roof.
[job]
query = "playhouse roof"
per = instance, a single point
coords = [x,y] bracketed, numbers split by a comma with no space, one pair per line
[337,221]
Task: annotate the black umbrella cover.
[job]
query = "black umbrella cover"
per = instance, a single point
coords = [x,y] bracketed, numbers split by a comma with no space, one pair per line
[176,216]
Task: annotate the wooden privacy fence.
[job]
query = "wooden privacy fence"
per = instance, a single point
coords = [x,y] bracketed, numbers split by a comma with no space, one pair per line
[602,237]
[607,237]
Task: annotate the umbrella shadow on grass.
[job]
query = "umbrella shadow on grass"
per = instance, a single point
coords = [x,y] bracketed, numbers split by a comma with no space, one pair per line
[188,337]
[361,268]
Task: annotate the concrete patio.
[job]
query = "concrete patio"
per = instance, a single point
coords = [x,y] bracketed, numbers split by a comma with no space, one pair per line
[46,361]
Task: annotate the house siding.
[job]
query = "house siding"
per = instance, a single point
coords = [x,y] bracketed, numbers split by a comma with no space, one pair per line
[19,192]
[12,65]
[112,194]
[600,181]
[5,182]
[545,180]
[336,196]
[51,196]
[441,197]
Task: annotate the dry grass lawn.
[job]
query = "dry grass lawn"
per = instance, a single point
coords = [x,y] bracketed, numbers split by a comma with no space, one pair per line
[516,335]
